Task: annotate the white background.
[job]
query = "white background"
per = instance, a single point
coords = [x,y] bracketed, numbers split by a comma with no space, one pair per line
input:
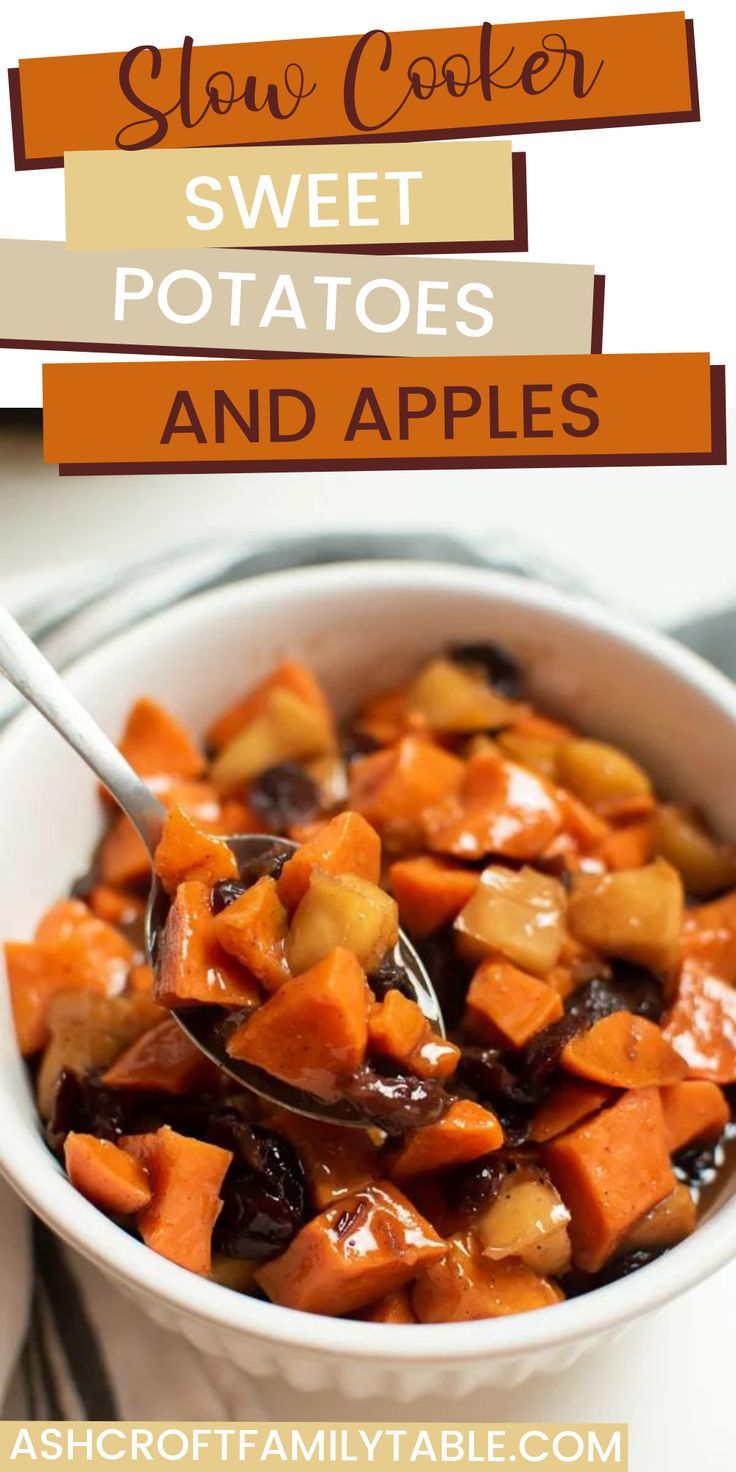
[652,208]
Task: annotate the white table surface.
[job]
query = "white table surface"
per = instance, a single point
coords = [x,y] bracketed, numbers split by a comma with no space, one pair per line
[659,542]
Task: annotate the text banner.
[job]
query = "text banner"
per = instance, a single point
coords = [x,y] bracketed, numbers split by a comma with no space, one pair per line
[271,414]
[454,82]
[376,197]
[236,302]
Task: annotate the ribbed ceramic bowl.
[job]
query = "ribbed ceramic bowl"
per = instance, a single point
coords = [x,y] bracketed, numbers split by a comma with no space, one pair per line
[362,626]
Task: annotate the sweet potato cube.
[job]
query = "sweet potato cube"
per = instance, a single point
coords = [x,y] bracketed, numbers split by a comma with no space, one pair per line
[87,1032]
[630,847]
[625,1052]
[124,858]
[185,852]
[313,1030]
[519,913]
[116,906]
[341,910]
[398,1029]
[506,1006]
[253,930]
[157,745]
[669,1222]
[709,937]
[635,914]
[361,1248]
[694,1109]
[186,1176]
[289,675]
[338,1159]
[430,893]
[465,1132]
[288,729]
[162,1061]
[394,788]
[393,1308]
[465,1285]
[702,1025]
[75,951]
[106,1175]
[572,1101]
[610,1171]
[501,808]
[192,966]
[452,699]
[345,845]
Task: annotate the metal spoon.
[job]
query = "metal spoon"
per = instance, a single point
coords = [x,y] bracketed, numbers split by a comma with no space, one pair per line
[32,675]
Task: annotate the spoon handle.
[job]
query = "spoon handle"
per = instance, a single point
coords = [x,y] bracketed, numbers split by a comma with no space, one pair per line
[27,668]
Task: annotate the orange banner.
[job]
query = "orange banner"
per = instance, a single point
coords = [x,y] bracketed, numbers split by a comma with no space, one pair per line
[658,408]
[386,85]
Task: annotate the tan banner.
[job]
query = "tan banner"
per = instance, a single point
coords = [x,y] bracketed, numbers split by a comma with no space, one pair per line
[649,408]
[365,1445]
[240,302]
[372,196]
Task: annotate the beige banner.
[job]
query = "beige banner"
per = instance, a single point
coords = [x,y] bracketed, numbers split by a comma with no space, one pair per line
[240,301]
[369,195]
[364,1445]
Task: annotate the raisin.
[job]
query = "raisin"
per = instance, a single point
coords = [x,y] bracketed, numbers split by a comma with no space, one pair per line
[697,1165]
[628,989]
[354,744]
[391,976]
[395,1102]
[224,893]
[283,795]
[87,1107]
[500,669]
[541,1057]
[264,1194]
[470,1189]
[576,1282]
[494,1083]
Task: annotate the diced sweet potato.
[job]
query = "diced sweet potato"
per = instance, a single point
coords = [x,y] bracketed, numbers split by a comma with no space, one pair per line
[338,1159]
[106,1175]
[385,717]
[361,1248]
[162,1061]
[185,852]
[506,1006]
[313,1030]
[398,1029]
[394,1308]
[623,1051]
[610,1171]
[694,1109]
[517,913]
[571,1101]
[394,788]
[454,700]
[87,1032]
[124,859]
[289,728]
[83,953]
[629,847]
[702,1025]
[538,753]
[464,1285]
[253,930]
[192,966]
[528,1220]
[186,1176]
[635,914]
[597,772]
[668,1223]
[709,937]
[430,893]
[501,808]
[345,845]
[465,1132]
[115,906]
[156,744]
[289,675]
[340,910]
[682,837]
[140,980]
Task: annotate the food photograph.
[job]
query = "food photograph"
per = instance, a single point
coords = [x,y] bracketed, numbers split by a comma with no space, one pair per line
[368,768]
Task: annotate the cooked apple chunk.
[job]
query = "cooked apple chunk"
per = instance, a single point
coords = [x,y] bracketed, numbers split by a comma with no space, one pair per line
[287,730]
[598,773]
[681,837]
[635,914]
[528,1220]
[518,913]
[453,700]
[342,910]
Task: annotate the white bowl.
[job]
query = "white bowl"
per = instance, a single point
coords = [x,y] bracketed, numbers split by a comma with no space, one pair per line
[362,626]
